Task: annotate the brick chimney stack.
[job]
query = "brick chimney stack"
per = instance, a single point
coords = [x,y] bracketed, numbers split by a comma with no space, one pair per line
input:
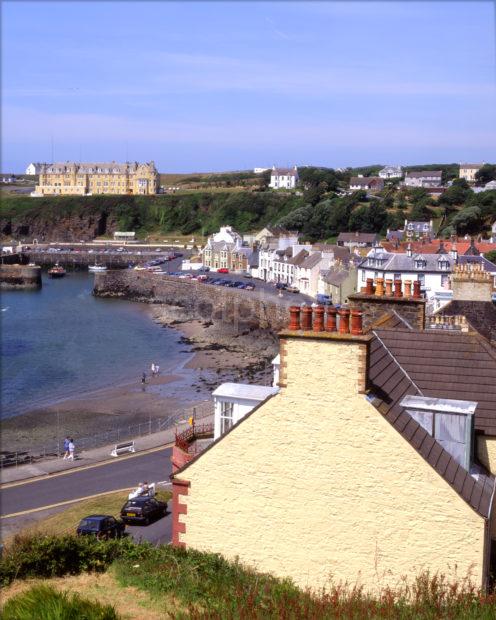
[375,301]
[471,283]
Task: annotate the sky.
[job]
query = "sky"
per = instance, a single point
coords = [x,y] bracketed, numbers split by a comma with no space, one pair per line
[213,86]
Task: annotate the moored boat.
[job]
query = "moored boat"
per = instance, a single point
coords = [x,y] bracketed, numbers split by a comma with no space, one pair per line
[57,271]
[96,267]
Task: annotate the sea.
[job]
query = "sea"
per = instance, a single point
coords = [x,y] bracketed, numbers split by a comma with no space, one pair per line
[60,342]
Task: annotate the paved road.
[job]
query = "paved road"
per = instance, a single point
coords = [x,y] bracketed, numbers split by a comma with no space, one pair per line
[154,467]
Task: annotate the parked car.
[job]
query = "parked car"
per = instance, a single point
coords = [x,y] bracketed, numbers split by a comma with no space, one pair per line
[101,526]
[250,286]
[223,270]
[293,289]
[247,274]
[323,299]
[143,510]
[281,285]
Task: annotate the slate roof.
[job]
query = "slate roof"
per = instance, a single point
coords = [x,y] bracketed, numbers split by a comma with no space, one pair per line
[358,237]
[390,381]
[298,258]
[334,277]
[448,364]
[402,262]
[425,174]
[284,172]
[366,181]
[311,261]
[119,168]
[471,166]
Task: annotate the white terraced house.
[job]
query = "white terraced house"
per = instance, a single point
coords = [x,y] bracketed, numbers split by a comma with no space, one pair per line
[283,178]
[391,172]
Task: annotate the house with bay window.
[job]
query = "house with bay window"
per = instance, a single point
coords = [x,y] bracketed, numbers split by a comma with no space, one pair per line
[225,250]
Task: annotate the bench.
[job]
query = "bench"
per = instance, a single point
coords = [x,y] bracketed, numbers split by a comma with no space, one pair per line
[121,448]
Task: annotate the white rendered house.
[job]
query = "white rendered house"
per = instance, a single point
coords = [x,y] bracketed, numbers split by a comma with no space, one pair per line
[283,178]
[33,169]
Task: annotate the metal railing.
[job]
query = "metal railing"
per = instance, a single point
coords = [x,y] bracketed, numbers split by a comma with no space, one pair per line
[113,436]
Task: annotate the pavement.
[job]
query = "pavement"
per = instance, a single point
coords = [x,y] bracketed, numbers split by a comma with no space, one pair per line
[30,493]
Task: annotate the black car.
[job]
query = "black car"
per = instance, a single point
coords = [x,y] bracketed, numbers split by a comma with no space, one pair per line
[281,285]
[143,510]
[101,526]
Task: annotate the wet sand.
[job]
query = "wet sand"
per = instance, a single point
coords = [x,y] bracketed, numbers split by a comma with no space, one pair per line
[217,355]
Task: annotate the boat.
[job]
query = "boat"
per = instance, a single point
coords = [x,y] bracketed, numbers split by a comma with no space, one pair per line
[57,271]
[97,268]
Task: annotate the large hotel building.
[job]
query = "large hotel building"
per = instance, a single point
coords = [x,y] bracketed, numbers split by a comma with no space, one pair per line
[96,178]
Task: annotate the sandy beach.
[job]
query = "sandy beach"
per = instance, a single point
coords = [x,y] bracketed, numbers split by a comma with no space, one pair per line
[218,354]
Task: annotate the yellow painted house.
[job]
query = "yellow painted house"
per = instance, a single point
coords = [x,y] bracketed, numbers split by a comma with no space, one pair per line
[361,469]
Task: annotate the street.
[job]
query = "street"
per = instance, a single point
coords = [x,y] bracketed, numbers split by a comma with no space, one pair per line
[120,474]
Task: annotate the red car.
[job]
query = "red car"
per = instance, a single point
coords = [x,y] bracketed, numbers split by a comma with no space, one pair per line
[223,270]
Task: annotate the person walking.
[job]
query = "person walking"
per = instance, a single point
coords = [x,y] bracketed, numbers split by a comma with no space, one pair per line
[157,369]
[143,378]
[71,450]
[153,369]
[66,448]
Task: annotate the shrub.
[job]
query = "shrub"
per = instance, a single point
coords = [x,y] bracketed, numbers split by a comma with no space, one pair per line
[45,603]
[51,556]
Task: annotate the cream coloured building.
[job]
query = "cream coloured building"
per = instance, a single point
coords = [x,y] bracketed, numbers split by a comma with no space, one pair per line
[359,470]
[86,179]
[468,171]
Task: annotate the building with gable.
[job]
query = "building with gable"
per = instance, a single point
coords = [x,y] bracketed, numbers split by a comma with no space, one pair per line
[468,171]
[387,445]
[391,172]
[424,178]
[284,178]
[225,250]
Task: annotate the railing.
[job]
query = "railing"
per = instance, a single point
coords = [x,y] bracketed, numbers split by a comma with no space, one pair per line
[185,440]
[118,435]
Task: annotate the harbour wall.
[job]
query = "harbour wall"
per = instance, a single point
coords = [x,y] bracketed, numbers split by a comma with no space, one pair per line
[20,277]
[81,260]
[241,308]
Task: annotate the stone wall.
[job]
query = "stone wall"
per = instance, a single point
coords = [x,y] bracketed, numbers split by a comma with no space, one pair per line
[20,276]
[252,309]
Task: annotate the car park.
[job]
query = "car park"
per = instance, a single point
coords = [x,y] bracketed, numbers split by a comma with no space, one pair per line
[143,510]
[101,526]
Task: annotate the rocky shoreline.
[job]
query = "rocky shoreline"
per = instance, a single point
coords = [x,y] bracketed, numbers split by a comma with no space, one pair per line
[220,354]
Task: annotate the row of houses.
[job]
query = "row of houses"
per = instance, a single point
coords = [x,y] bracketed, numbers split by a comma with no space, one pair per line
[334,271]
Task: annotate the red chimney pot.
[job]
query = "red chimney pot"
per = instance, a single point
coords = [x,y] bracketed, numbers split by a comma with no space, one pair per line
[416,289]
[331,319]
[306,318]
[356,322]
[344,320]
[397,288]
[369,289]
[318,324]
[294,318]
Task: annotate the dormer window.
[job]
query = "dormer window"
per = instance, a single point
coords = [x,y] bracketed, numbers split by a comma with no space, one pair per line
[420,263]
[443,264]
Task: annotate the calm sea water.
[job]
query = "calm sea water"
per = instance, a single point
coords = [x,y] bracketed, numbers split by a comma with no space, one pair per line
[61,341]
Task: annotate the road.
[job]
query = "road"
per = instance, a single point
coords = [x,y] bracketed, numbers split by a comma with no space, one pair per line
[121,474]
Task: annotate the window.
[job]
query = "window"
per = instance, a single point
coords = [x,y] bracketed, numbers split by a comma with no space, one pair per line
[397,276]
[226,416]
[363,275]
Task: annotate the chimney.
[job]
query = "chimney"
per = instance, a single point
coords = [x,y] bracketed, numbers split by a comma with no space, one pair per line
[471,283]
[409,250]
[454,252]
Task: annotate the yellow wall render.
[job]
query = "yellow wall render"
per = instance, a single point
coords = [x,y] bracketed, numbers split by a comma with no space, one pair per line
[316,484]
[486,452]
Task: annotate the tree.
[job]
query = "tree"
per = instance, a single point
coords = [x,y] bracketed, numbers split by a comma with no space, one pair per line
[468,221]
[486,173]
[420,211]
[491,256]
[368,218]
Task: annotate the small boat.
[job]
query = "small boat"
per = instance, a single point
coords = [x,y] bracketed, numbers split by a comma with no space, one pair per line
[97,268]
[57,271]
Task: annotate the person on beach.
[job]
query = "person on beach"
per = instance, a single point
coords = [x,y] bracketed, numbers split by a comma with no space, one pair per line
[153,369]
[71,450]
[66,448]
[143,378]
[157,369]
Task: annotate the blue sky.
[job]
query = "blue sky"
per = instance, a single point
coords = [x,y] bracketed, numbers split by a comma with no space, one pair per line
[200,86]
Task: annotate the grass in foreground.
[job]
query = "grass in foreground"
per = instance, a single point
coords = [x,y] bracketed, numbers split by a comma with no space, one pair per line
[45,603]
[182,583]
[67,520]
